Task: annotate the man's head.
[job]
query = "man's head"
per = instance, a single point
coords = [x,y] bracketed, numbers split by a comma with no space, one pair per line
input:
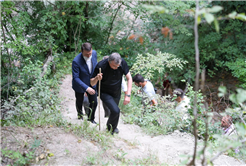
[179,93]
[86,49]
[138,80]
[114,60]
[105,57]
[226,121]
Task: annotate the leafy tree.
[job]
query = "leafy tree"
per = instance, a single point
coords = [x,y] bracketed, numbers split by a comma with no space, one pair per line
[219,49]
[36,31]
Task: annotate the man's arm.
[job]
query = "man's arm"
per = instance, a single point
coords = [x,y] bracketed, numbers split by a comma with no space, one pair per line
[154,102]
[95,79]
[129,88]
[123,85]
[150,92]
[75,72]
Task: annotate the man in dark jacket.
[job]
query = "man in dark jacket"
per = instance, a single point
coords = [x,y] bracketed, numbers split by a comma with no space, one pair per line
[112,70]
[82,69]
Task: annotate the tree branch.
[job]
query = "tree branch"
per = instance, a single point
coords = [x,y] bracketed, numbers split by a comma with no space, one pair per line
[204,162]
[111,26]
[192,162]
[47,62]
[229,147]
[75,44]
[4,38]
[240,116]
[8,32]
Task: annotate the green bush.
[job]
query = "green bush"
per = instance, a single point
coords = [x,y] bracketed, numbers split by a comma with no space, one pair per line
[161,119]
[154,66]
[21,159]
[35,100]
[238,69]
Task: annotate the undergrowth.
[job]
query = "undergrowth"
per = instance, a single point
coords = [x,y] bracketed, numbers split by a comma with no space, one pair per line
[155,120]
[39,105]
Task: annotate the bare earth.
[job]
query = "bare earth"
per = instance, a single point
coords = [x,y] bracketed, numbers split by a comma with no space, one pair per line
[130,144]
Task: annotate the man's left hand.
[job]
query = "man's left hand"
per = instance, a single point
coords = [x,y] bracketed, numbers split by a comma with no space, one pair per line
[126,100]
[91,91]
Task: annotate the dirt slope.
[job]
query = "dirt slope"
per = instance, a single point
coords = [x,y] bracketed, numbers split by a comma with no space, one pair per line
[167,149]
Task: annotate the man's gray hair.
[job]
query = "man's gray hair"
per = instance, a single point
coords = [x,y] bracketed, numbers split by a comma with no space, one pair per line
[115,57]
[105,57]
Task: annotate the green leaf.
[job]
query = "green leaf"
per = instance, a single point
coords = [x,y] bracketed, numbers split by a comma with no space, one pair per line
[241,17]
[233,98]
[209,17]
[154,9]
[222,91]
[215,9]
[50,154]
[202,11]
[198,20]
[216,24]
[241,95]
[232,15]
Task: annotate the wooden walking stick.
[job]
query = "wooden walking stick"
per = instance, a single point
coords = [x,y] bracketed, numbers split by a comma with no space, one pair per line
[99,88]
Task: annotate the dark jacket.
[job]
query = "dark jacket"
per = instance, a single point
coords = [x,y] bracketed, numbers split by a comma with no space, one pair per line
[80,71]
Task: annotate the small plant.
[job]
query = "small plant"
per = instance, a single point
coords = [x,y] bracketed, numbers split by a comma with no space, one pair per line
[120,155]
[17,158]
[150,160]
[67,151]
[92,160]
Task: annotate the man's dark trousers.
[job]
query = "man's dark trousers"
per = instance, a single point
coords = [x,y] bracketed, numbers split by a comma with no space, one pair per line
[92,101]
[112,104]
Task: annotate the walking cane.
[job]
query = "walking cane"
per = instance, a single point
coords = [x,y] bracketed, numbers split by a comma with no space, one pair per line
[99,99]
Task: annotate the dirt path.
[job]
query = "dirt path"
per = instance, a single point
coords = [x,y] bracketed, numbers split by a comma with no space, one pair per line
[166,149]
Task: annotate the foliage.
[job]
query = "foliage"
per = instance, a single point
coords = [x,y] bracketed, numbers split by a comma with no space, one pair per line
[35,106]
[238,69]
[154,67]
[19,158]
[34,30]
[204,114]
[234,144]
[90,133]
[218,49]
[151,160]
[161,119]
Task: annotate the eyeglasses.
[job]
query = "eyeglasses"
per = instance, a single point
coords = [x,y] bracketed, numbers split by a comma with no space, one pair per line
[114,65]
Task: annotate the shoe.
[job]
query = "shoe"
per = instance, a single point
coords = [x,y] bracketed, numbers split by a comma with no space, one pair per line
[80,117]
[92,121]
[116,131]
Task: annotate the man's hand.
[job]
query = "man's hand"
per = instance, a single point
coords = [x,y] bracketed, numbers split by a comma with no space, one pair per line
[126,100]
[95,79]
[91,91]
[99,76]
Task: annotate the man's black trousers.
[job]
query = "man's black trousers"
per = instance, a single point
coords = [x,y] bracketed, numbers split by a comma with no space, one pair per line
[112,104]
[92,101]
